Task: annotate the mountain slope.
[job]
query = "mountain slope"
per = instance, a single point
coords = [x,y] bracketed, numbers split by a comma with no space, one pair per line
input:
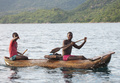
[90,11]
[40,16]
[11,5]
[97,11]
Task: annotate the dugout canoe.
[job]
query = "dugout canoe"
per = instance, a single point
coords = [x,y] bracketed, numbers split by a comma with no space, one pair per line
[100,61]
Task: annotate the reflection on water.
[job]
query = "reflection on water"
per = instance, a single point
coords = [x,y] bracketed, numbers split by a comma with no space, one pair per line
[69,73]
[102,69]
[14,75]
[40,39]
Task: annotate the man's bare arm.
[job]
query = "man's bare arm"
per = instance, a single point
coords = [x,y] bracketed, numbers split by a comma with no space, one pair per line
[80,46]
[15,38]
[19,53]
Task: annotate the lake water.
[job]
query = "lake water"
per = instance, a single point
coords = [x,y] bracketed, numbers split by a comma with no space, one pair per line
[40,39]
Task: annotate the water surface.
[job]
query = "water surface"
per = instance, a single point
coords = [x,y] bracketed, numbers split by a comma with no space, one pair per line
[39,39]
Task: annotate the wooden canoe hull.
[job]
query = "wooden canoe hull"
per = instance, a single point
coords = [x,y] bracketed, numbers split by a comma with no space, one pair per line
[81,64]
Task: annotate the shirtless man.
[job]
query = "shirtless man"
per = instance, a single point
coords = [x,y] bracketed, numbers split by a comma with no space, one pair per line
[13,49]
[66,52]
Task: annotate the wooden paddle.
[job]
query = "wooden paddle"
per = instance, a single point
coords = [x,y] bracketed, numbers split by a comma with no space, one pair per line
[58,48]
[24,51]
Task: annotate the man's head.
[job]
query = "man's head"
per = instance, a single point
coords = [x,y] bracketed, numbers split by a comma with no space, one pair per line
[15,35]
[69,35]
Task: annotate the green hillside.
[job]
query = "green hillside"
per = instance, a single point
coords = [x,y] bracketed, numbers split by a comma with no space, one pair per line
[90,11]
[40,16]
[15,6]
[97,11]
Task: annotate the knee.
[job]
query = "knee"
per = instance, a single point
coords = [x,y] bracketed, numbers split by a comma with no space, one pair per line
[25,58]
[83,57]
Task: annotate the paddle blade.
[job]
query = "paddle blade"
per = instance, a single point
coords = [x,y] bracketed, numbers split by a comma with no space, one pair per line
[55,50]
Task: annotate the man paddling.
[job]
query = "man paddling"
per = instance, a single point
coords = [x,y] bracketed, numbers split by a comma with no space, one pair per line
[66,52]
[14,54]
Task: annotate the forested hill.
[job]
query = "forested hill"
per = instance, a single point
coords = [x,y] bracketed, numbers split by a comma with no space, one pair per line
[10,5]
[94,4]
[97,11]
[89,11]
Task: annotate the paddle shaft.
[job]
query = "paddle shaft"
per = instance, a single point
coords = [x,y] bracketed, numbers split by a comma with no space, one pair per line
[24,51]
[70,43]
[57,49]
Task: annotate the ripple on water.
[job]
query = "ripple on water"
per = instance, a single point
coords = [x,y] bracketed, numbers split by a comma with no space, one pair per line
[39,39]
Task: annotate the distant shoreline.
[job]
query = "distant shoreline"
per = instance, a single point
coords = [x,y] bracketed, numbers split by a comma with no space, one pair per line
[60,23]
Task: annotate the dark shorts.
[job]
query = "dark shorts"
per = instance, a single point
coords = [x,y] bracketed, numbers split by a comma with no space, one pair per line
[13,58]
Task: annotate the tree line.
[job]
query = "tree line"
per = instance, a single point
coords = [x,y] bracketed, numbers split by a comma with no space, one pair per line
[104,11]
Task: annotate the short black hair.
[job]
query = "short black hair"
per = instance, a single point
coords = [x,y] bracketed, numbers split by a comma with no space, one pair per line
[69,33]
[16,35]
